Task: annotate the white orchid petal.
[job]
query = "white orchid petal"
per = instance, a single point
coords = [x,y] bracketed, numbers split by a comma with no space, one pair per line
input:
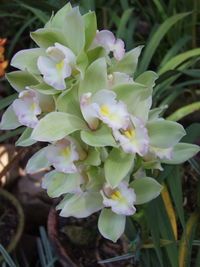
[62,155]
[118,49]
[117,78]
[106,39]
[68,54]
[89,112]
[120,200]
[162,153]
[26,107]
[134,139]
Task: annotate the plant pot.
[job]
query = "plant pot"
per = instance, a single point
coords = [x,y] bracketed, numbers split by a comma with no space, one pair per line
[11,221]
[79,243]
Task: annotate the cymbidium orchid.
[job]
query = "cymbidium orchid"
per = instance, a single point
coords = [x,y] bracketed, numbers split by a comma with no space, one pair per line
[121,199]
[63,155]
[26,107]
[134,138]
[107,39]
[83,101]
[104,106]
[57,65]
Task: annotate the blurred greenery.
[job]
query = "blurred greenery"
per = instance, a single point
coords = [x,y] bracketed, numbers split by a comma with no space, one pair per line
[170,32]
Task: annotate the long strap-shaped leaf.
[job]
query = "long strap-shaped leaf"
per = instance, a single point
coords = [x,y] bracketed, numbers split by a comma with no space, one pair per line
[170,210]
[186,241]
[156,38]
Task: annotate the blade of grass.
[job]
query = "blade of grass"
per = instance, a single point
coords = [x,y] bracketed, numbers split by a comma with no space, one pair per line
[184,111]
[7,257]
[37,12]
[7,101]
[121,31]
[187,238]
[156,38]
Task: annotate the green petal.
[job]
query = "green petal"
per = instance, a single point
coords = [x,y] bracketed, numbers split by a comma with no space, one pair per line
[25,139]
[181,153]
[90,22]
[145,189]
[111,225]
[117,165]
[37,161]
[99,138]
[56,125]
[20,79]
[46,37]
[9,120]
[95,78]
[164,134]
[128,64]
[26,60]
[82,205]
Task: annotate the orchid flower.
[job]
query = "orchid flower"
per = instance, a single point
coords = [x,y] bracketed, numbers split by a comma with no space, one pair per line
[107,40]
[121,200]
[62,155]
[57,65]
[26,107]
[133,139]
[161,152]
[104,106]
[117,78]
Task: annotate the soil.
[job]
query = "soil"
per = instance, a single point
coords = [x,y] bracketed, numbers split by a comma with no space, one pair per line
[8,221]
[84,245]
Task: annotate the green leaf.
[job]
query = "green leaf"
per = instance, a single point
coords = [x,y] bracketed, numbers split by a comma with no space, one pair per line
[82,205]
[6,101]
[145,189]
[25,139]
[156,38]
[128,64]
[164,134]
[26,60]
[179,59]
[74,30]
[90,22]
[181,153]
[56,125]
[117,165]
[99,138]
[184,111]
[9,120]
[58,183]
[37,161]
[58,19]
[20,79]
[111,225]
[95,77]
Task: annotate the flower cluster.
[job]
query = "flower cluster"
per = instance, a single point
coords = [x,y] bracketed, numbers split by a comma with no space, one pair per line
[78,93]
[3,62]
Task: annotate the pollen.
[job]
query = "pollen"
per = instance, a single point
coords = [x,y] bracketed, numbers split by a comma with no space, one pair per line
[65,152]
[32,107]
[116,195]
[130,133]
[59,66]
[157,149]
[105,111]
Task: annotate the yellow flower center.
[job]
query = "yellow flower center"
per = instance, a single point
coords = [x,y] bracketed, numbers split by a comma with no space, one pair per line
[105,111]
[157,149]
[116,195]
[59,66]
[65,152]
[32,107]
[130,133]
